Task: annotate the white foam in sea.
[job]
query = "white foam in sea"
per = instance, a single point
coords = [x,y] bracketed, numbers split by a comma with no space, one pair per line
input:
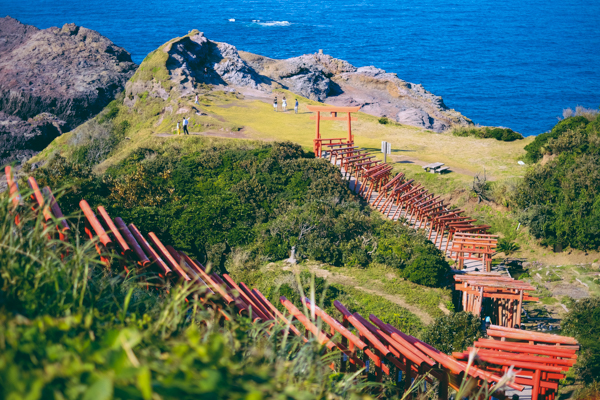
[231,19]
[272,23]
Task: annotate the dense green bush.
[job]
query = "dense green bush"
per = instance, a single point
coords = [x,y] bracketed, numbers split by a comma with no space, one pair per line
[486,132]
[261,198]
[560,200]
[453,332]
[583,322]
[428,269]
[535,149]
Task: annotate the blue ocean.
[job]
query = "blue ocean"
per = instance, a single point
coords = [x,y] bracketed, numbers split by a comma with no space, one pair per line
[509,63]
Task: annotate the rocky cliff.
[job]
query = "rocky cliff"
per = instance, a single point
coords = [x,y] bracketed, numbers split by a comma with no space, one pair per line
[183,63]
[324,78]
[52,80]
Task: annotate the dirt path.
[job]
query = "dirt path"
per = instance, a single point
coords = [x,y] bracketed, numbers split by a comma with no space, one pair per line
[223,134]
[345,280]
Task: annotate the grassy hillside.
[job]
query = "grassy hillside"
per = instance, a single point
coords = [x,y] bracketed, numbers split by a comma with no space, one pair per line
[240,206]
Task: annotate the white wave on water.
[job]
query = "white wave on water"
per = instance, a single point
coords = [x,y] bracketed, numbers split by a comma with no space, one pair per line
[231,19]
[271,23]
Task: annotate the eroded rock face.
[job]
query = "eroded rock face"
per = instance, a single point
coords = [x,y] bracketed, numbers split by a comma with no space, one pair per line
[22,139]
[71,73]
[193,60]
[324,78]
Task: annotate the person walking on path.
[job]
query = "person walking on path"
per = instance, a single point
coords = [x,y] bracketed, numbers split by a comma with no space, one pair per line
[296,107]
[185,126]
[284,104]
[196,99]
[275,104]
[178,128]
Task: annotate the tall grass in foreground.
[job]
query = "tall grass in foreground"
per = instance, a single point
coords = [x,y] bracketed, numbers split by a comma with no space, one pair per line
[71,328]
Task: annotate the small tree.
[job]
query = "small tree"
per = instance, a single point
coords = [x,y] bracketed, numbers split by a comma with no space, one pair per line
[480,187]
[453,332]
[428,270]
[583,322]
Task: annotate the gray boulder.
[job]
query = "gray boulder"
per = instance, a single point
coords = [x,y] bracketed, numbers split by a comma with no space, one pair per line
[22,139]
[419,117]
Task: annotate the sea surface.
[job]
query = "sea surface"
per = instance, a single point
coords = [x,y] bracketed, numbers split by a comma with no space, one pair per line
[509,63]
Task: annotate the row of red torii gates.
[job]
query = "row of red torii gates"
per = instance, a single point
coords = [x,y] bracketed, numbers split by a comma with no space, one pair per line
[504,296]
[465,241]
[373,178]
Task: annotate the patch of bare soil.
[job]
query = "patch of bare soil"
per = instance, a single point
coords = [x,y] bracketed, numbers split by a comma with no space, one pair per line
[442,307]
[568,289]
[222,133]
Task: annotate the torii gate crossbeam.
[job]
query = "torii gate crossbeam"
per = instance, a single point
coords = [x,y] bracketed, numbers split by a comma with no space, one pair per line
[318,141]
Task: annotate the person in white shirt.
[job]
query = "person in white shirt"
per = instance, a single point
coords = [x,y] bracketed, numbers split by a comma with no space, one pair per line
[185,126]
[196,99]
[284,104]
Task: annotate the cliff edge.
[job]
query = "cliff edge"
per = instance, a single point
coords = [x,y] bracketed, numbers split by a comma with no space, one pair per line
[51,81]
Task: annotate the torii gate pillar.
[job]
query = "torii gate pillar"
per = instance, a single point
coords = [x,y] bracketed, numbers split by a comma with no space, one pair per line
[319,141]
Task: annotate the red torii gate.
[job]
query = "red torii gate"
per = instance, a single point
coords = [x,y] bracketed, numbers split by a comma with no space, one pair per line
[318,141]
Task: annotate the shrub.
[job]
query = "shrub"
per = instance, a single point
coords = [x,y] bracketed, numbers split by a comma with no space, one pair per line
[453,332]
[486,132]
[507,246]
[428,269]
[384,120]
[535,149]
[583,322]
[560,200]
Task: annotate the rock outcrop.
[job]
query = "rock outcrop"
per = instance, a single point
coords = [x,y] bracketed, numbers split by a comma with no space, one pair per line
[324,78]
[189,61]
[53,80]
[182,64]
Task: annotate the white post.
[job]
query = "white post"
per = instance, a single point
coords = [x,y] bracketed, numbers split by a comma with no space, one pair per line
[386,148]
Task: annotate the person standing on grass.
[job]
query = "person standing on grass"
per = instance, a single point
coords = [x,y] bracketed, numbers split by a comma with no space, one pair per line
[284,104]
[185,126]
[296,107]
[178,128]
[196,99]
[275,104]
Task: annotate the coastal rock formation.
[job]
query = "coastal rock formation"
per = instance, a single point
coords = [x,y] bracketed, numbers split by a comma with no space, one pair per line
[187,62]
[53,80]
[324,78]
[183,64]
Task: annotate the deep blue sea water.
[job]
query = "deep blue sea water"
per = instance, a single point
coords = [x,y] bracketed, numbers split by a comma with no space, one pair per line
[510,63]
